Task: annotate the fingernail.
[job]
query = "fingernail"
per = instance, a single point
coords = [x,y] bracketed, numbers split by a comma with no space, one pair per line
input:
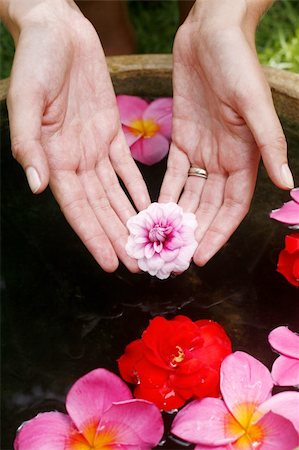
[287,176]
[33,179]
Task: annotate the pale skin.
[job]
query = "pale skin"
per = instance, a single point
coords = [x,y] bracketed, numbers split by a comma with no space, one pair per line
[66,131]
[223,120]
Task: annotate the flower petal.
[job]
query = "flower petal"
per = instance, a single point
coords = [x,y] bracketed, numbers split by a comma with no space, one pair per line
[205,422]
[93,394]
[288,213]
[150,151]
[127,362]
[130,108]
[278,433]
[285,404]
[163,396]
[285,342]
[144,425]
[131,137]
[46,431]
[160,111]
[285,371]
[208,447]
[295,194]
[244,380]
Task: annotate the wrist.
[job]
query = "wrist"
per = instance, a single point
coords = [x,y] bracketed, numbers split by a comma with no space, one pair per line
[215,15]
[17,14]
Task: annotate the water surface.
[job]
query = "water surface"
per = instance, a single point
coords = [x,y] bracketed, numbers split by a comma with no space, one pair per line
[62,316]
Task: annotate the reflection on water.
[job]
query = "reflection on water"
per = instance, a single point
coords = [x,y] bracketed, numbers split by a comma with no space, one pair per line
[63,316]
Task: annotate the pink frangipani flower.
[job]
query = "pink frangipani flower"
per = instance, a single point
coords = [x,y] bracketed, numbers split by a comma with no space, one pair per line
[285,370]
[289,212]
[162,239]
[147,127]
[101,415]
[247,417]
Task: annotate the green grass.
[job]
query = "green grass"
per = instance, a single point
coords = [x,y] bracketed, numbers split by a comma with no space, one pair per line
[155,23]
[277,37]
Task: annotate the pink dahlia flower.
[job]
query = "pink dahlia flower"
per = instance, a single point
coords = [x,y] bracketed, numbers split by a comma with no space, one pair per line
[101,415]
[248,417]
[285,370]
[289,212]
[147,127]
[162,239]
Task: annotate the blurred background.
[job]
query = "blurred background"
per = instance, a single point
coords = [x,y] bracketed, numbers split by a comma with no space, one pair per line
[155,23]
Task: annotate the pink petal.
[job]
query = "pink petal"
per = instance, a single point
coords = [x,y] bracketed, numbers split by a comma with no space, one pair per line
[244,379]
[285,371]
[169,255]
[295,194]
[142,423]
[130,108]
[93,394]
[204,422]
[285,404]
[131,137]
[160,111]
[288,213]
[150,151]
[278,433]
[285,341]
[46,431]
[208,447]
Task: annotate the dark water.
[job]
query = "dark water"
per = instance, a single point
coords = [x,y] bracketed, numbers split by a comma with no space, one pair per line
[62,316]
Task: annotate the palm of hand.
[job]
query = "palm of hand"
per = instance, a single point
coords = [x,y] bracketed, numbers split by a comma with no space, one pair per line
[75,123]
[209,131]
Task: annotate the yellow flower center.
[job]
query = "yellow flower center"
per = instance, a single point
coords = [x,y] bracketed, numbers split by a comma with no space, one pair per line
[146,127]
[179,357]
[92,439]
[244,423]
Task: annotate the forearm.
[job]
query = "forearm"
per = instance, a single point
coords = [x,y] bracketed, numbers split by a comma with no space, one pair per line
[17,13]
[218,14]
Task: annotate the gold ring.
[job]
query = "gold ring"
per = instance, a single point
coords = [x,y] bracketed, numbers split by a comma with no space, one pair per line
[197,172]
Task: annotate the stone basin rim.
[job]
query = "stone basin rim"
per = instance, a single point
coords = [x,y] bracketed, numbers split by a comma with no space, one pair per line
[151,75]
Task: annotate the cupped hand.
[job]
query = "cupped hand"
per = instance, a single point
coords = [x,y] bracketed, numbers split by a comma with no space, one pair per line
[65,130]
[223,121]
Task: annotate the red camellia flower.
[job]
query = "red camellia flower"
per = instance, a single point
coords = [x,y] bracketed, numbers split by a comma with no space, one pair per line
[176,360]
[288,261]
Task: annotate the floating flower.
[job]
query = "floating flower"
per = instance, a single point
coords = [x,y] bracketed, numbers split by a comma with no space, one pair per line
[285,370]
[248,417]
[289,212]
[162,239]
[101,415]
[288,260]
[147,127]
[175,360]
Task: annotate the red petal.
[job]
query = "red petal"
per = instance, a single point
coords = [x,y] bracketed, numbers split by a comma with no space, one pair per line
[127,362]
[288,266]
[164,397]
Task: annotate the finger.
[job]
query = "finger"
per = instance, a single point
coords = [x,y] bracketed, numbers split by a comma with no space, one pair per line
[25,110]
[125,167]
[115,230]
[237,198]
[175,177]
[71,197]
[210,202]
[264,124]
[190,197]
[117,198]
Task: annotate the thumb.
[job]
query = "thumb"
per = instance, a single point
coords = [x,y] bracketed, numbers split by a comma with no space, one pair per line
[261,117]
[25,110]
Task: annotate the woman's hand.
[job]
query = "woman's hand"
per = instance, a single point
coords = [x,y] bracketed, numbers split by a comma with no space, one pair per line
[65,127]
[223,121]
